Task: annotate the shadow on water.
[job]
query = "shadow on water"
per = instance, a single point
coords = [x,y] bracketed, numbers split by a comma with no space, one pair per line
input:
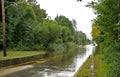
[65,65]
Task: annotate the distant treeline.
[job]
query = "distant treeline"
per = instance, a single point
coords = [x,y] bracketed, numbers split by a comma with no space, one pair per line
[29,28]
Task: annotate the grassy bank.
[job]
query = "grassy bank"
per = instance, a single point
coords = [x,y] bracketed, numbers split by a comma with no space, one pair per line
[85,71]
[19,57]
[100,67]
[18,54]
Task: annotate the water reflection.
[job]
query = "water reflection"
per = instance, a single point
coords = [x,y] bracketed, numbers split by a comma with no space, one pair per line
[63,66]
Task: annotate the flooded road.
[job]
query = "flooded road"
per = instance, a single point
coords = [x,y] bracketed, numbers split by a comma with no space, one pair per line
[63,66]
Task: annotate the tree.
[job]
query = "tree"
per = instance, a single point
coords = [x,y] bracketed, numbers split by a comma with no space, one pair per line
[40,13]
[107,24]
[95,31]
[24,27]
[81,38]
[74,23]
[50,32]
[21,18]
[13,16]
[64,21]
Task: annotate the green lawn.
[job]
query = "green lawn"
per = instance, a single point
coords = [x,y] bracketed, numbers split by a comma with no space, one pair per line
[100,67]
[16,54]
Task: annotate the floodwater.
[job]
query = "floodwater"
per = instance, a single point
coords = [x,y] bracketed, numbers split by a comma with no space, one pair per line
[66,65]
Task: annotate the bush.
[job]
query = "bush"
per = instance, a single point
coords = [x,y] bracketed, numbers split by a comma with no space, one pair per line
[70,46]
[21,48]
[37,47]
[58,41]
[56,47]
[61,47]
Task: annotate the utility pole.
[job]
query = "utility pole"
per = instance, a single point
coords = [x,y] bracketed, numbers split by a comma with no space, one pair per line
[3,28]
[119,21]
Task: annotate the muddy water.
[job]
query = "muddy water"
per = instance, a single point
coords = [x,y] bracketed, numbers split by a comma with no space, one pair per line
[63,66]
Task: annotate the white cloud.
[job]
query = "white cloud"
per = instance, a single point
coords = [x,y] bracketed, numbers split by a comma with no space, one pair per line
[71,9]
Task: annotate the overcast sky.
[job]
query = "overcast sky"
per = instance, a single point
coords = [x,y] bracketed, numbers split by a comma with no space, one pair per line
[72,10]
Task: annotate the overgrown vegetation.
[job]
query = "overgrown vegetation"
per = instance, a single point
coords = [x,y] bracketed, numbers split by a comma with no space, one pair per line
[100,67]
[28,28]
[106,32]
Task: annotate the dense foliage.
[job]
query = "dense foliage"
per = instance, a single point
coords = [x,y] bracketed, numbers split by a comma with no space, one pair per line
[29,28]
[106,32]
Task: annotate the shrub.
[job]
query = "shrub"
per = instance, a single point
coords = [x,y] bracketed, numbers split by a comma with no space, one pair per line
[37,47]
[56,47]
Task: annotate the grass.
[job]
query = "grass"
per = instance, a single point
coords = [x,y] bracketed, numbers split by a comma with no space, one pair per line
[100,67]
[18,54]
[85,69]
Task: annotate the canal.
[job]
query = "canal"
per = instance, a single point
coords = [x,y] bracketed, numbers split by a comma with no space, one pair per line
[66,65]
